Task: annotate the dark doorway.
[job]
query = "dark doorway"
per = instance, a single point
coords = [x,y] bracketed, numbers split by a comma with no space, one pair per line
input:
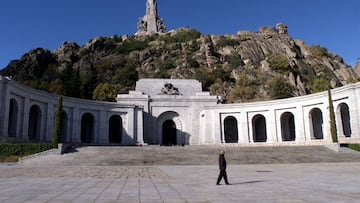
[231,130]
[259,128]
[115,129]
[169,133]
[13,118]
[317,123]
[87,128]
[287,127]
[345,119]
[34,123]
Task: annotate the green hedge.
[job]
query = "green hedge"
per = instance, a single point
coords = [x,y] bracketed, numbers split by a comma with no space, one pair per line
[23,149]
[354,146]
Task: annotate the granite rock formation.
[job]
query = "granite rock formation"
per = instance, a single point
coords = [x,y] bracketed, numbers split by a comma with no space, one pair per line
[221,63]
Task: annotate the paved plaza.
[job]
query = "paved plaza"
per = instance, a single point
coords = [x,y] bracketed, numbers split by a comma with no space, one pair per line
[315,182]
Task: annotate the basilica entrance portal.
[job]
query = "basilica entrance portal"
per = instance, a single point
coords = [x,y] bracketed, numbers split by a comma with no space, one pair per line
[170,129]
[169,133]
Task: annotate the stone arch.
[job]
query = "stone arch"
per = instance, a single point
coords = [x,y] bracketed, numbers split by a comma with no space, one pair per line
[287,126]
[115,129]
[13,118]
[87,128]
[316,121]
[231,130]
[34,129]
[164,120]
[259,128]
[169,133]
[343,109]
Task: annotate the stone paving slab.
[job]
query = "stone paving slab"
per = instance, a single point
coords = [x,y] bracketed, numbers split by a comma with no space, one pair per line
[296,183]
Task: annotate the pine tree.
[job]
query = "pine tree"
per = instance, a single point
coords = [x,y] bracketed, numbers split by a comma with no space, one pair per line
[333,130]
[57,137]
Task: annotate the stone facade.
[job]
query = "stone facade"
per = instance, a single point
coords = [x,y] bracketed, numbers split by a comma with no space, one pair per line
[178,112]
[28,115]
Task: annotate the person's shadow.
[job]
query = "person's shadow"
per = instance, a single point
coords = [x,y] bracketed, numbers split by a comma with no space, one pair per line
[248,182]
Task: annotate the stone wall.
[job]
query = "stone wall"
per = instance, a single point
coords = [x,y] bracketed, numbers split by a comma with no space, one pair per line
[34,112]
[196,117]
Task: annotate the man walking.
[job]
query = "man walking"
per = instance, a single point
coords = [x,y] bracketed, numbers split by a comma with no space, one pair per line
[222,167]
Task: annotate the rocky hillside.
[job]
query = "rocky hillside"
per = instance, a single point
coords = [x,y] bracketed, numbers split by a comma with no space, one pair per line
[243,67]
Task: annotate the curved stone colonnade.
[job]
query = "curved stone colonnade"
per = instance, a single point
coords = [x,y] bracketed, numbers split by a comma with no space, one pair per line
[299,120]
[191,118]
[28,115]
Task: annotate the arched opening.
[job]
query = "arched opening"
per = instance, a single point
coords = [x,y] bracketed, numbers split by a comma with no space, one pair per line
[231,130]
[115,129]
[345,119]
[287,127]
[316,120]
[13,118]
[87,128]
[169,133]
[259,128]
[34,123]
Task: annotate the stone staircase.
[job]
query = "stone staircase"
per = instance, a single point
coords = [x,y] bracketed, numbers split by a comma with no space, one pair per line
[191,155]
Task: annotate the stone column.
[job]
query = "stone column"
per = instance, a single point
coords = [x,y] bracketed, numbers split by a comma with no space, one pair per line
[244,128]
[299,124]
[104,130]
[272,132]
[50,118]
[76,131]
[139,126]
[130,137]
[25,132]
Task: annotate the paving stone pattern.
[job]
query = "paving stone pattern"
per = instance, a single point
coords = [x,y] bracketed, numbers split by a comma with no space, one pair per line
[183,174]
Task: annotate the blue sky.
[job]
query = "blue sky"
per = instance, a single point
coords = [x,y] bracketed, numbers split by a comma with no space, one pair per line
[26,25]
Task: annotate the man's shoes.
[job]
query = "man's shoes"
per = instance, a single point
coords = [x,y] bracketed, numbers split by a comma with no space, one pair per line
[228,184]
[218,184]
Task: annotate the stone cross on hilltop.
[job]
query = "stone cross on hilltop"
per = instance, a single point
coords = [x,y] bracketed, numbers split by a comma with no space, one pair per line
[151,23]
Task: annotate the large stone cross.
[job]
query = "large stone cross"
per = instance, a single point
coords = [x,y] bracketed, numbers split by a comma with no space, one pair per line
[151,23]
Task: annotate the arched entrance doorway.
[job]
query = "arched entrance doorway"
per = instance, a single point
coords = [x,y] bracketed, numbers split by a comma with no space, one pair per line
[259,128]
[115,129]
[316,121]
[169,133]
[87,128]
[169,128]
[34,123]
[13,118]
[345,119]
[287,127]
[231,130]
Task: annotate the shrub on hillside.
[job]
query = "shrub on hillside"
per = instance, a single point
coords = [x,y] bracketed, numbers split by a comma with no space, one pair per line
[132,45]
[181,36]
[319,52]
[280,88]
[320,84]
[279,63]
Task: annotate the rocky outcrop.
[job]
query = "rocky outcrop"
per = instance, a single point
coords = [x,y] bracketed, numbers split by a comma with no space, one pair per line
[30,66]
[185,53]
